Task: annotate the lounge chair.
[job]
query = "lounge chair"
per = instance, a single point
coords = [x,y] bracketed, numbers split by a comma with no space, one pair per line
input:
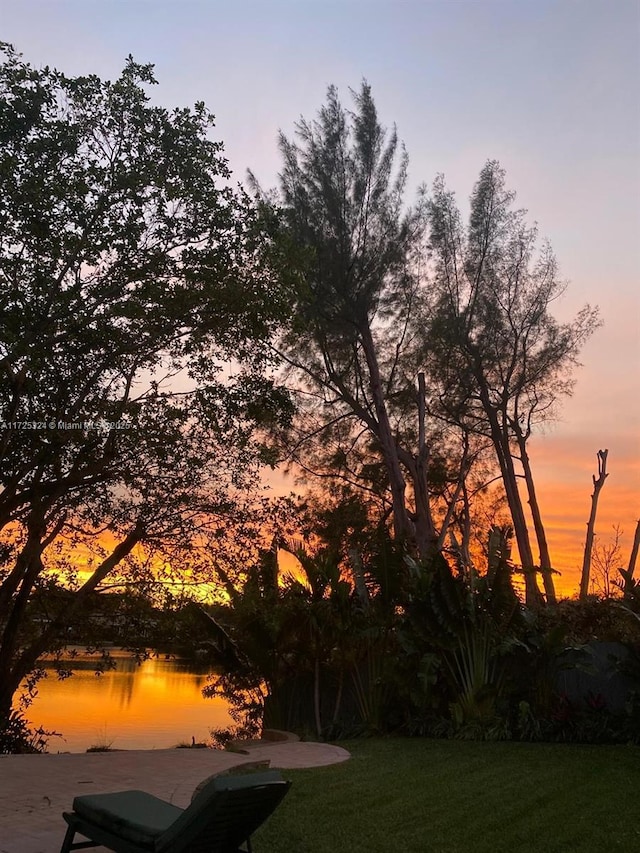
[222,816]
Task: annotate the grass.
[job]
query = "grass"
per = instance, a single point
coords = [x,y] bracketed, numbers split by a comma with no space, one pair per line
[439,796]
[103,744]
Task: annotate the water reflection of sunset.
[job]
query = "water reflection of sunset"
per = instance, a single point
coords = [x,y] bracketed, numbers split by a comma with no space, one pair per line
[151,706]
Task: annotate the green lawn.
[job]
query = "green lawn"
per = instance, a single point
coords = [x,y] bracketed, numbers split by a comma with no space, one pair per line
[438,796]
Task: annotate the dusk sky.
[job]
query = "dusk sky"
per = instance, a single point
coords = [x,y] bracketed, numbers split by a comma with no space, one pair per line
[550,89]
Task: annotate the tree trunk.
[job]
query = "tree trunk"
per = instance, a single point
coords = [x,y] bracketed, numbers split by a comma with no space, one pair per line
[588,545]
[316,696]
[545,559]
[627,574]
[402,526]
[338,703]
[24,574]
[15,667]
[427,540]
[426,536]
[359,579]
[634,551]
[500,441]
[465,544]
[521,532]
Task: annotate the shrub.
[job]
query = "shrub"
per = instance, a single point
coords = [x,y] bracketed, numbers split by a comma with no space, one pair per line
[17,737]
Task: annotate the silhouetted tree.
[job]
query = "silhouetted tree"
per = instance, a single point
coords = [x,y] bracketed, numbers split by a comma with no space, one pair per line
[502,359]
[627,574]
[126,261]
[352,349]
[606,560]
[598,483]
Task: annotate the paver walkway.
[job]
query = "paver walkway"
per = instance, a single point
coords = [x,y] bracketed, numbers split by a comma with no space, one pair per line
[36,789]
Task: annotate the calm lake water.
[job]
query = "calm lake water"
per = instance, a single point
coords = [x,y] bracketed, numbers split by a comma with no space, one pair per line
[153,705]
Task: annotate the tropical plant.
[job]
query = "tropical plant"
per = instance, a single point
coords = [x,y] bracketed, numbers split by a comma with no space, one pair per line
[18,737]
[474,669]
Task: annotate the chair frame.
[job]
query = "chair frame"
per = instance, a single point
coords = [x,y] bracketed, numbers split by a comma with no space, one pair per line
[251,805]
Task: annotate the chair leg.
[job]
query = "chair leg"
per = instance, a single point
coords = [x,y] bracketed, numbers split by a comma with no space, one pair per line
[66,844]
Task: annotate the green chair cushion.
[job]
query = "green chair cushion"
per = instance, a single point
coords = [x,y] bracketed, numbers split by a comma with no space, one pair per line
[134,815]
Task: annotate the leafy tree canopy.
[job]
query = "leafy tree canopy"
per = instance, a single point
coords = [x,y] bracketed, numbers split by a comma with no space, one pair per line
[132,275]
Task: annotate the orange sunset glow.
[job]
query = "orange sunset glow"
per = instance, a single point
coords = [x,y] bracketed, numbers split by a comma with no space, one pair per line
[564,466]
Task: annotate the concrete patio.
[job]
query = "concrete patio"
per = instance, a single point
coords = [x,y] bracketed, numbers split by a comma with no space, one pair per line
[36,789]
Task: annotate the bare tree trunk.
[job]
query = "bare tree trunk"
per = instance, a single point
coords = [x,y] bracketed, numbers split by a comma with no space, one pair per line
[598,483]
[628,575]
[543,548]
